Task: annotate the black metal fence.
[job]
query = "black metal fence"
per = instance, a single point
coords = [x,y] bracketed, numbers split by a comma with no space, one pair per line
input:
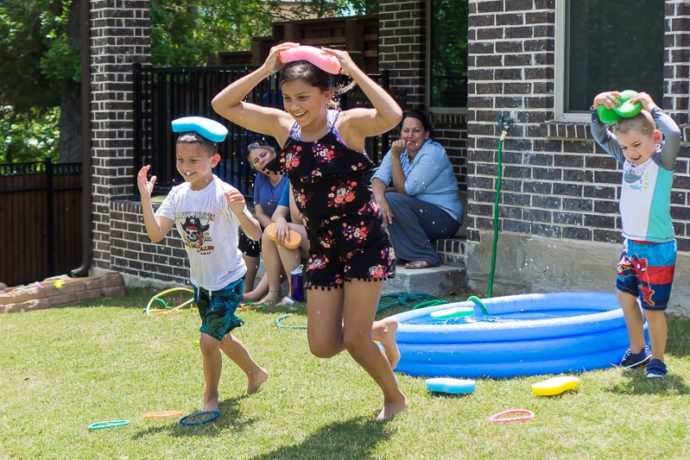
[40,211]
[164,94]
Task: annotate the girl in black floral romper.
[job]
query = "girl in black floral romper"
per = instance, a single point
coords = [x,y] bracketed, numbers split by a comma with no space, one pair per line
[344,223]
[322,154]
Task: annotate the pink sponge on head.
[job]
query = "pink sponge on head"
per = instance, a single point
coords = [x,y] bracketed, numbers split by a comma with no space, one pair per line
[326,62]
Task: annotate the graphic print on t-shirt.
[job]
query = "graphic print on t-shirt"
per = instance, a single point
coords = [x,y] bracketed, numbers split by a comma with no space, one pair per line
[635,177]
[195,234]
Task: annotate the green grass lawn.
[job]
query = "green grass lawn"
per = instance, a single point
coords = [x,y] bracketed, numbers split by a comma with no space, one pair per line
[64,368]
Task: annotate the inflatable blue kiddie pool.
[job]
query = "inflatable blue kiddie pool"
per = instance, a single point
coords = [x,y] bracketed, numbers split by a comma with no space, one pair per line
[528,334]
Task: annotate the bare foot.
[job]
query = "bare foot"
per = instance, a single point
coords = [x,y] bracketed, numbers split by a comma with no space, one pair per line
[251,296]
[417,264]
[211,404]
[385,333]
[255,380]
[390,410]
[270,298]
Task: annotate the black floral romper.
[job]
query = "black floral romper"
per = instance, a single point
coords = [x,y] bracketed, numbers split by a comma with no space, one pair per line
[344,224]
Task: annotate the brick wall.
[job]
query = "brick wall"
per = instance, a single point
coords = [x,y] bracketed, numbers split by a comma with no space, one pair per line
[556,184]
[133,254]
[120,35]
[402,45]
[677,60]
[401,48]
[450,129]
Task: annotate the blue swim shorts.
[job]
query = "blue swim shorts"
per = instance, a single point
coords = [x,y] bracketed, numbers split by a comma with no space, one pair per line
[646,270]
[217,309]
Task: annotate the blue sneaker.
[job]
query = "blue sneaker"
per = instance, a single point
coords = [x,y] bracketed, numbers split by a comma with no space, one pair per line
[656,369]
[631,360]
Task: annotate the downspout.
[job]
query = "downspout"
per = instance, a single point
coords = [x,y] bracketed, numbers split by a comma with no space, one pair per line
[86,233]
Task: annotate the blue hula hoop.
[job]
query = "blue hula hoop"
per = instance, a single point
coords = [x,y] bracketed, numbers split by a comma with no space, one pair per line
[188,420]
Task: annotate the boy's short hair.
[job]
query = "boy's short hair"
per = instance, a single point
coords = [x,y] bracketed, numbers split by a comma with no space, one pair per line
[643,122]
[195,138]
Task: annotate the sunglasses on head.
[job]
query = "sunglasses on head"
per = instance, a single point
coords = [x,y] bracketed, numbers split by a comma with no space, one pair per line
[256,145]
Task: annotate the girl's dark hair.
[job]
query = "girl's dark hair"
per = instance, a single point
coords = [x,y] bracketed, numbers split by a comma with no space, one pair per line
[195,138]
[418,115]
[313,76]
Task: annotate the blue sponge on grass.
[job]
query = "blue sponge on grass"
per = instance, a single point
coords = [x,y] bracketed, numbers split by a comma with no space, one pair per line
[209,129]
[450,385]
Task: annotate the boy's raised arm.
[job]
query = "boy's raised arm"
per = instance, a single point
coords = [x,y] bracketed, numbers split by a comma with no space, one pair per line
[250,226]
[157,227]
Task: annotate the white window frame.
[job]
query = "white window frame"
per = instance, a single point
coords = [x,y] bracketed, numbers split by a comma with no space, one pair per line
[560,73]
[427,70]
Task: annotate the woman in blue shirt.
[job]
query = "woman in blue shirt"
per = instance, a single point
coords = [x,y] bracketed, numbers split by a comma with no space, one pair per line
[423,204]
[268,188]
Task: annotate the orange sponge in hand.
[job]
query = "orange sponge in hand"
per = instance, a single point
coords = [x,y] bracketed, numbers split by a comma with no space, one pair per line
[293,240]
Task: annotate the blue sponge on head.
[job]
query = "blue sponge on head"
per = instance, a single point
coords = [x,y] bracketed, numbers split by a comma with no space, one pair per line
[209,129]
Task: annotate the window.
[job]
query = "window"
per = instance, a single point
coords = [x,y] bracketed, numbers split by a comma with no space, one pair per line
[447,53]
[603,45]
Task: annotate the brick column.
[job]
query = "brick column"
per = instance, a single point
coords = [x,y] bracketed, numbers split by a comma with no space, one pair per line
[677,60]
[401,48]
[511,71]
[120,35]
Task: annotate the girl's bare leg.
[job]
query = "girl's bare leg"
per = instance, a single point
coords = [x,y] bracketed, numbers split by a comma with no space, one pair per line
[343,318]
[259,291]
[289,259]
[384,331]
[325,322]
[273,267]
[252,264]
[359,308]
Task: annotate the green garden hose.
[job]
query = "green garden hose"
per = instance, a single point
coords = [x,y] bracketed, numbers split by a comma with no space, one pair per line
[504,124]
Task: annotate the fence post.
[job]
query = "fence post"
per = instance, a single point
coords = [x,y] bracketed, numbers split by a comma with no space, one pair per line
[50,224]
[136,81]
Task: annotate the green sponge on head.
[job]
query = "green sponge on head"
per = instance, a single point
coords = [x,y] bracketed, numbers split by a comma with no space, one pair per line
[626,109]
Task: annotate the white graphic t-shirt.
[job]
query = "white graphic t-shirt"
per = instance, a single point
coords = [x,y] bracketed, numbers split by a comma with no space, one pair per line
[209,232]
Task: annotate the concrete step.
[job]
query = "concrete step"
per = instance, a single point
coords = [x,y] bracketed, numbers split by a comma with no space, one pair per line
[438,281]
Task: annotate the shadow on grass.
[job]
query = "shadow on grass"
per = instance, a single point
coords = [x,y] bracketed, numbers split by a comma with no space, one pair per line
[230,417]
[638,384]
[135,298]
[354,438]
[678,333]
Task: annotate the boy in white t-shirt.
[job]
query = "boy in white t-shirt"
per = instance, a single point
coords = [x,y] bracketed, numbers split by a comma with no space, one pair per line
[207,213]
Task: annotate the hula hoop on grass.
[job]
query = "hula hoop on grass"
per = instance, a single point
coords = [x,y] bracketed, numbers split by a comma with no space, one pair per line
[160,307]
[524,416]
[107,424]
[200,418]
[163,414]
[279,323]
